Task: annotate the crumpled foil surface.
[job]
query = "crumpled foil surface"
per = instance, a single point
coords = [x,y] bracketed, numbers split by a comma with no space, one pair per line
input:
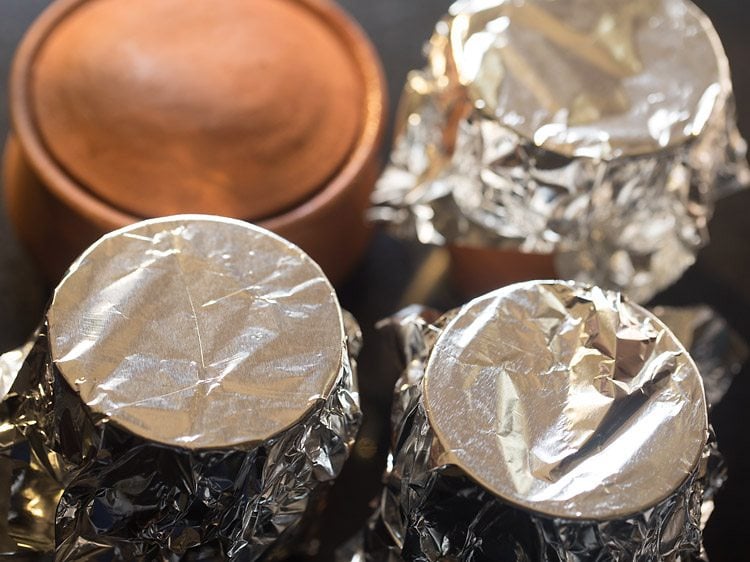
[716,348]
[598,130]
[431,509]
[82,481]
[28,495]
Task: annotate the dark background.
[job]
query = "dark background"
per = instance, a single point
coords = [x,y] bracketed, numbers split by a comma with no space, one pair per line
[721,276]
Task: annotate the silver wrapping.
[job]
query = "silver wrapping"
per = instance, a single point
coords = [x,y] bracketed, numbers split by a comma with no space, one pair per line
[646,496]
[599,131]
[143,468]
[719,351]
[28,495]
[10,364]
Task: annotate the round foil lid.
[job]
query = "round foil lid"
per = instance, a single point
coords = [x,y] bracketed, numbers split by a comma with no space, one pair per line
[196,331]
[597,78]
[232,107]
[567,401]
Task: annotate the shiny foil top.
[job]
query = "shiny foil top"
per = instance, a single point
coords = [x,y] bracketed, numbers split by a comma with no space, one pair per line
[601,132]
[566,400]
[198,332]
[597,79]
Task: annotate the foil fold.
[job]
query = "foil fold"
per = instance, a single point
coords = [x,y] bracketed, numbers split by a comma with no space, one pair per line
[162,412]
[431,511]
[624,218]
[28,493]
[718,351]
[85,489]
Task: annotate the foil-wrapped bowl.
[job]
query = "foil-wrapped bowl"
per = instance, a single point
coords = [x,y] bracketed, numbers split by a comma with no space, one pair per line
[190,395]
[545,421]
[718,350]
[599,133]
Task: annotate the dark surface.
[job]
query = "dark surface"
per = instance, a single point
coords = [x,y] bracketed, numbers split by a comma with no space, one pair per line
[398,28]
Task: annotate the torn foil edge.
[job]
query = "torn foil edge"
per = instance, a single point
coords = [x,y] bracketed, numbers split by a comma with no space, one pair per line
[415,520]
[65,473]
[634,224]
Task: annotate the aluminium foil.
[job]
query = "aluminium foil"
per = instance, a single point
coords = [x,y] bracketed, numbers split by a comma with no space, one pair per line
[191,395]
[552,455]
[600,131]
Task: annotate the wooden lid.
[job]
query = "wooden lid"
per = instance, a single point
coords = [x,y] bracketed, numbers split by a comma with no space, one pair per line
[234,107]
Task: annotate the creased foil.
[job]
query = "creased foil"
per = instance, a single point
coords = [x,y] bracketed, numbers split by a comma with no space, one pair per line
[431,509]
[719,351]
[90,488]
[600,131]
[28,494]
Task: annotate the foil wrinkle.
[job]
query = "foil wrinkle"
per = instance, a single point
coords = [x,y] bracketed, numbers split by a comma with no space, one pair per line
[577,129]
[96,485]
[434,507]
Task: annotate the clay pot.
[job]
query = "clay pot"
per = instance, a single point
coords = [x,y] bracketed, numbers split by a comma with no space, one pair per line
[271,112]
[476,271]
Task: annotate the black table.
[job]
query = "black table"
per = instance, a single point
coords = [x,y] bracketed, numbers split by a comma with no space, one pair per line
[720,278]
